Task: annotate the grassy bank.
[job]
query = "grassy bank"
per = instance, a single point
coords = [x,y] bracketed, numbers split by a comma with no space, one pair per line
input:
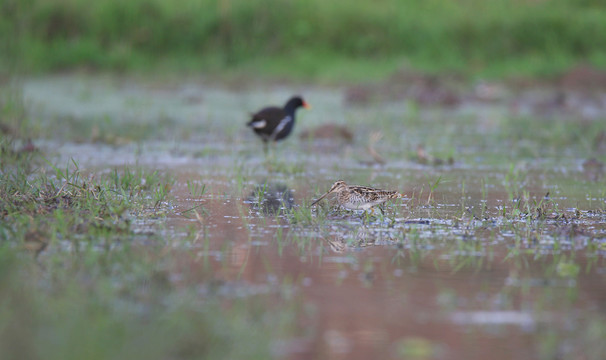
[335,39]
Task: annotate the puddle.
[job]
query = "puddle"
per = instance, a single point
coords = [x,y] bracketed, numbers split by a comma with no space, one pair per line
[487,261]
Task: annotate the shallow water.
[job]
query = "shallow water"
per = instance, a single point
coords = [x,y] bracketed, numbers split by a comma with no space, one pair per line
[466,273]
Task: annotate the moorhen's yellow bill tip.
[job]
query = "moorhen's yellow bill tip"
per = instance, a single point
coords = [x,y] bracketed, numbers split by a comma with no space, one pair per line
[306,105]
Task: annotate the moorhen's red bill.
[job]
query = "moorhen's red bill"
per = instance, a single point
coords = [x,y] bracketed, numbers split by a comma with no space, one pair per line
[274,123]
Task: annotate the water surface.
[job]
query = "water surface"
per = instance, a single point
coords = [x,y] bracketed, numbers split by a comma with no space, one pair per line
[496,254]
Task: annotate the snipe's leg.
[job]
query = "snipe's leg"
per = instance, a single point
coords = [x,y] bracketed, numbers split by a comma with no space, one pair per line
[367,215]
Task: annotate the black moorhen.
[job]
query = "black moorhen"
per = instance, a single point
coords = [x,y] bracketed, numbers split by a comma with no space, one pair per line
[274,123]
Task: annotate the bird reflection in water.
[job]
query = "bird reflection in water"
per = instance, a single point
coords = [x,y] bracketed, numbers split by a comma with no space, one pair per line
[271,198]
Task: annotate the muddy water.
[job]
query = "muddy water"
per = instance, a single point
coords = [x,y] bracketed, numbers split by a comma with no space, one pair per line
[428,285]
[455,275]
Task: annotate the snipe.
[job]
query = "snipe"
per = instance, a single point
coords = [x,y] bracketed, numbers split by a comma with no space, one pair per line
[355,197]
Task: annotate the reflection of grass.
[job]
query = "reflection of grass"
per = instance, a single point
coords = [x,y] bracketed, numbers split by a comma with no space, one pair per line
[120,308]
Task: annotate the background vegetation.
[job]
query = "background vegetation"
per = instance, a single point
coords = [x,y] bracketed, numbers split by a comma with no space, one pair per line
[305,38]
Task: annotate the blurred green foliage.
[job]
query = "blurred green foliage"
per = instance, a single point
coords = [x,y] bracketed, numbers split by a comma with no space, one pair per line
[85,310]
[467,35]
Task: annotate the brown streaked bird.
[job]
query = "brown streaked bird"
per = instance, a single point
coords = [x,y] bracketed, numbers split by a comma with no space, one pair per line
[273,123]
[356,197]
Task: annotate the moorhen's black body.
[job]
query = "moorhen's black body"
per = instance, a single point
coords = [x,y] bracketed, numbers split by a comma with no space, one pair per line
[274,123]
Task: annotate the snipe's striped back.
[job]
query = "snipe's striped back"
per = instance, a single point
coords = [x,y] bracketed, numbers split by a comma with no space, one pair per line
[356,197]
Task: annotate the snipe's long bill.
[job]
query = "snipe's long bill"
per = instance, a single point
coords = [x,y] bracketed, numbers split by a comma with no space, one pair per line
[354,197]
